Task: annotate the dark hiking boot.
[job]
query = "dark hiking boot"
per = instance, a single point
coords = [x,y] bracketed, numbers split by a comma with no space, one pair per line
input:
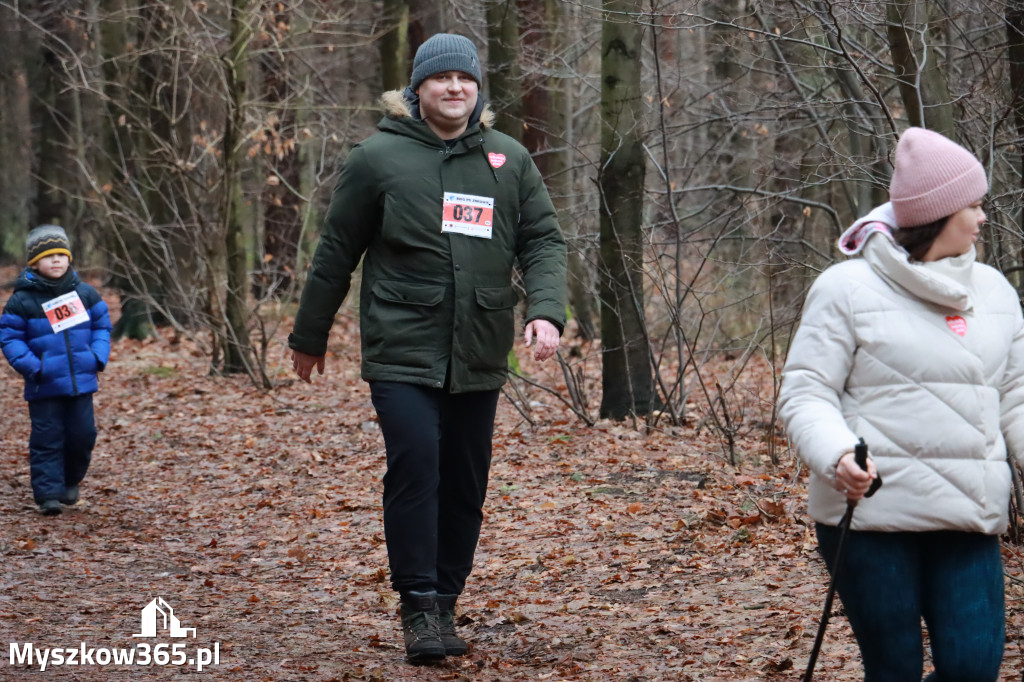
[453,644]
[419,625]
[49,507]
[70,496]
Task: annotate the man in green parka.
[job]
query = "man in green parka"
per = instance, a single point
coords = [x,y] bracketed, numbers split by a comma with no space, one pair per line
[440,207]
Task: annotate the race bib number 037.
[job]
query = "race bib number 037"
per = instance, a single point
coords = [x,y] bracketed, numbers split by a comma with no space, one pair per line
[65,311]
[467,214]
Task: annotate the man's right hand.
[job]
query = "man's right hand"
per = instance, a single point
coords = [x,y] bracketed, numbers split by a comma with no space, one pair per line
[303,365]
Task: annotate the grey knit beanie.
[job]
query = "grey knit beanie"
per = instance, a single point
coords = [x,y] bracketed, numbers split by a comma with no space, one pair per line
[46,240]
[445,52]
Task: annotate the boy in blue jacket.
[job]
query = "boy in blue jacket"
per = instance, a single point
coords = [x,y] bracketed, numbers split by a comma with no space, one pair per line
[55,332]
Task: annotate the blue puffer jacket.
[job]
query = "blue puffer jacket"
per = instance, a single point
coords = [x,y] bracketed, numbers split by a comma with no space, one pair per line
[54,364]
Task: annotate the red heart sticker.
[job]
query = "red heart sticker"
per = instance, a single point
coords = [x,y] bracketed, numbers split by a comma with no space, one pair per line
[497,160]
[957,324]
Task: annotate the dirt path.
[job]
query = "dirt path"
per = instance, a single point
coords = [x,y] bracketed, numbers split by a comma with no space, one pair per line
[256,516]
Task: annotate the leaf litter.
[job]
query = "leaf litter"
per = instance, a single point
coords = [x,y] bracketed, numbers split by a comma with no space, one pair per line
[606,552]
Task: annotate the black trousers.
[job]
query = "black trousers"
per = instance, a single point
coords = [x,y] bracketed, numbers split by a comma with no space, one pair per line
[438,457]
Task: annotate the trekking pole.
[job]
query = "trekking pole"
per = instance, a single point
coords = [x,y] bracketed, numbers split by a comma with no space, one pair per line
[860,455]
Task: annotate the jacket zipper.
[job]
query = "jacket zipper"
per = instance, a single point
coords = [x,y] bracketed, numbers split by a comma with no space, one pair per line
[71,362]
[42,361]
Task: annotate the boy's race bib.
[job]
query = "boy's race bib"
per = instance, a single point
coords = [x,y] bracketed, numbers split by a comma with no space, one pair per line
[65,311]
[467,214]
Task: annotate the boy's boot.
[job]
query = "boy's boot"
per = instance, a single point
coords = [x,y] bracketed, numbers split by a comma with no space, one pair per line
[70,496]
[453,644]
[49,507]
[419,625]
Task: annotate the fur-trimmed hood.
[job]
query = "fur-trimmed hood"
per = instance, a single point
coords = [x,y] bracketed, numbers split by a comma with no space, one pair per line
[397,104]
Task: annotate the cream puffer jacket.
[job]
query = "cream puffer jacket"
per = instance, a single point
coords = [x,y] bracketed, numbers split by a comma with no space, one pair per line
[925,361]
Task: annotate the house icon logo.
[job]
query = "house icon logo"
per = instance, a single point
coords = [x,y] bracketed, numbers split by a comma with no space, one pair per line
[159,614]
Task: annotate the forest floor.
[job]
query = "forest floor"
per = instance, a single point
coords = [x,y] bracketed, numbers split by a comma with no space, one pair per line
[610,552]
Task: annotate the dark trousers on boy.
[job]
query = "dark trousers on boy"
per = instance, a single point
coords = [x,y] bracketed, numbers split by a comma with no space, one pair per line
[60,445]
[438,457]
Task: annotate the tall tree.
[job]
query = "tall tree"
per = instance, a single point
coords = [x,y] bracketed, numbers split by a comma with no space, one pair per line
[146,138]
[426,17]
[118,167]
[867,125]
[625,354]
[546,41]
[1015,53]
[15,134]
[54,109]
[504,75]
[793,139]
[394,45]
[915,59]
[237,350]
[282,198]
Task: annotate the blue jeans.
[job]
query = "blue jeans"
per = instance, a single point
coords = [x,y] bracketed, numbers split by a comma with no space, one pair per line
[889,581]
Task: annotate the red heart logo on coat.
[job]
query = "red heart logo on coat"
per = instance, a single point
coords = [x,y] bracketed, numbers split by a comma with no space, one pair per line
[497,160]
[957,324]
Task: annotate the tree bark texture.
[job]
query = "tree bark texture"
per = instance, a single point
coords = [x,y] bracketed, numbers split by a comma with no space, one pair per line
[626,370]
[282,200]
[1015,56]
[504,75]
[237,354]
[154,264]
[394,45]
[548,106]
[15,136]
[426,17]
[915,59]
[54,111]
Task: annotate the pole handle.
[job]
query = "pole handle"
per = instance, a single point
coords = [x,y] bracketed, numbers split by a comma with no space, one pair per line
[860,455]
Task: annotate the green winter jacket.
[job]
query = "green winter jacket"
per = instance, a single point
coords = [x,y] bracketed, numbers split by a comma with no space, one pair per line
[433,302]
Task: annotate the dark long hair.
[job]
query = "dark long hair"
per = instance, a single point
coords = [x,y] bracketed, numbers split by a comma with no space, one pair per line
[917,240]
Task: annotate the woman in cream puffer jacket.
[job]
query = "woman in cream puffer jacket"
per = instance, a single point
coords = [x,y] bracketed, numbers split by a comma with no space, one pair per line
[918,349]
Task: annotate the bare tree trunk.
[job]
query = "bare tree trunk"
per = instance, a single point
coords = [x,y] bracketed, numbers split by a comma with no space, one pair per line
[130,276]
[540,33]
[282,199]
[1015,56]
[626,370]
[15,135]
[54,110]
[735,155]
[548,115]
[237,354]
[157,258]
[916,62]
[394,45]
[791,141]
[113,44]
[504,75]
[426,17]
[866,131]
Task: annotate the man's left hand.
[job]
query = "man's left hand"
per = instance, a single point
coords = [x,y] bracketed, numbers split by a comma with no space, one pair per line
[546,335]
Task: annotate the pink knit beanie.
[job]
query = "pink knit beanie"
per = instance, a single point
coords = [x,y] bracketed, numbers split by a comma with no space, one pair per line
[934,178]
